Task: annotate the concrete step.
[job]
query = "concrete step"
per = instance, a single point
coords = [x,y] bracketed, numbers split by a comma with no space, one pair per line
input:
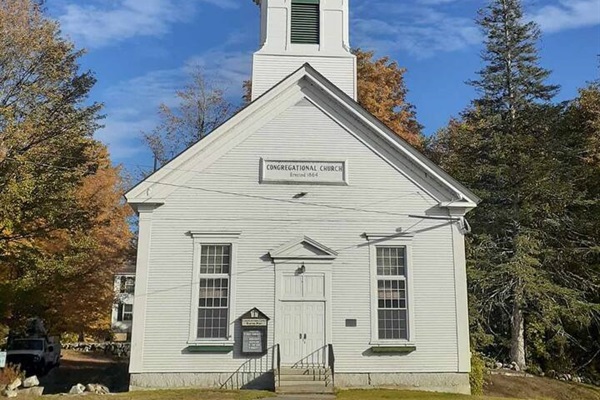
[304,371]
[306,377]
[304,388]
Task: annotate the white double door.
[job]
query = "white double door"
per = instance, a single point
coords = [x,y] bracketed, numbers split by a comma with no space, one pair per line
[302,305]
[303,336]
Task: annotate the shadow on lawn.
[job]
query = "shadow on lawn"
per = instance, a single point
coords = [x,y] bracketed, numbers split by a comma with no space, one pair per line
[84,369]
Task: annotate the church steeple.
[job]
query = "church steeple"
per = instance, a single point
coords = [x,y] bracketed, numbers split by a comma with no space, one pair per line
[294,32]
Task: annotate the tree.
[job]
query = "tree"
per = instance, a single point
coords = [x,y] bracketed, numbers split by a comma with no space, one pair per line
[45,128]
[382,92]
[508,149]
[512,79]
[202,106]
[62,219]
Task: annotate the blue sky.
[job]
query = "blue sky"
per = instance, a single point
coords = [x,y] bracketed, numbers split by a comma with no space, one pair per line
[140,51]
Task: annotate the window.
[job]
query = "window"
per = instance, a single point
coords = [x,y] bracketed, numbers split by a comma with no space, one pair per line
[212,311]
[125,312]
[127,284]
[305,21]
[392,312]
[213,299]
[391,293]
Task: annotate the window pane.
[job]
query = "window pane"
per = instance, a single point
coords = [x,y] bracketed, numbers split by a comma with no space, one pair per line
[392,305]
[392,324]
[391,261]
[215,259]
[212,323]
[213,299]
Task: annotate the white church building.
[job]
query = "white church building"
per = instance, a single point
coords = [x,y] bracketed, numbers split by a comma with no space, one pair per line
[302,245]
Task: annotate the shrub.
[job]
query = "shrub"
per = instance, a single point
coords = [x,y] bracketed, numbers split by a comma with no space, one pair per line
[10,373]
[477,375]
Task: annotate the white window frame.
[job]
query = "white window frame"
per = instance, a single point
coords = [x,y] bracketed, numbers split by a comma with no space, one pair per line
[380,241]
[125,312]
[214,238]
[123,284]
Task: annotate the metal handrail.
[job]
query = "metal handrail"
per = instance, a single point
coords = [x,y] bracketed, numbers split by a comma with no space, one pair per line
[331,362]
[315,359]
[254,368]
[278,363]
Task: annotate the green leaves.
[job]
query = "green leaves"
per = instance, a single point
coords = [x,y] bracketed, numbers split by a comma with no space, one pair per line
[53,246]
[537,230]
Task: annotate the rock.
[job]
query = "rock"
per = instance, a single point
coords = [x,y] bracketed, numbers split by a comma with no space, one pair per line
[14,385]
[31,382]
[499,365]
[9,393]
[97,389]
[77,389]
[32,391]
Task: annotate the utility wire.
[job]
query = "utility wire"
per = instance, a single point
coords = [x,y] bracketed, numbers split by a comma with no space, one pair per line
[142,166]
[244,195]
[258,197]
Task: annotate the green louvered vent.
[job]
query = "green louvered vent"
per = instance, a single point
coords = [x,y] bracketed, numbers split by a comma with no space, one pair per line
[305,21]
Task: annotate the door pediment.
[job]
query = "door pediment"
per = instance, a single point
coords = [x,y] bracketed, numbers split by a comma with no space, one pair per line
[303,248]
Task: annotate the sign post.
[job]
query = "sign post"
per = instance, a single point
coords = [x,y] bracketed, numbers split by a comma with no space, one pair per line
[2,359]
[254,333]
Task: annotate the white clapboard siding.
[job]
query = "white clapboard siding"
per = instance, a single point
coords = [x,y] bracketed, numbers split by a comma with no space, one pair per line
[301,132]
[269,70]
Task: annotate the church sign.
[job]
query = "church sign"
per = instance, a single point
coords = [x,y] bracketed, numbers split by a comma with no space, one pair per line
[304,172]
[254,332]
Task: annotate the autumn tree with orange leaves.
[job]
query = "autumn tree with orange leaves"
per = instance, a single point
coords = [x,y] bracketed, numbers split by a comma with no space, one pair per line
[381,91]
[63,223]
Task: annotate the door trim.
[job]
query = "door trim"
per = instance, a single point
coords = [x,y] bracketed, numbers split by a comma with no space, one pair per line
[310,268]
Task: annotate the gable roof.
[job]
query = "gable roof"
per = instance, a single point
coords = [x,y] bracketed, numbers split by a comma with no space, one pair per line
[303,248]
[157,186]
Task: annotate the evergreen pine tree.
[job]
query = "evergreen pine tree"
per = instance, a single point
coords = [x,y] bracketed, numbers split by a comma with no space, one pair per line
[506,148]
[512,79]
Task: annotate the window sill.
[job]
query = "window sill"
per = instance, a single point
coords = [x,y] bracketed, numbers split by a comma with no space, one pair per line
[221,346]
[208,343]
[393,348]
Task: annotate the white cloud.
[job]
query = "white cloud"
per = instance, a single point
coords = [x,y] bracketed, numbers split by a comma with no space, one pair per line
[134,102]
[100,23]
[419,30]
[436,2]
[568,14]
[231,4]
[95,26]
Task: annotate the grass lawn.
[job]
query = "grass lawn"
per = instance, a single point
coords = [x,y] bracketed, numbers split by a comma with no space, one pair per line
[406,395]
[179,395]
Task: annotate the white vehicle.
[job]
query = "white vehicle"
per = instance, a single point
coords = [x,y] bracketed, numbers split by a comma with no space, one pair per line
[35,355]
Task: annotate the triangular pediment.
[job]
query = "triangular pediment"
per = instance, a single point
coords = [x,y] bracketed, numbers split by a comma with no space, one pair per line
[305,86]
[303,248]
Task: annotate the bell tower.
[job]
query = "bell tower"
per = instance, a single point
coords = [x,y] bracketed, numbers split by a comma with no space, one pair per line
[295,32]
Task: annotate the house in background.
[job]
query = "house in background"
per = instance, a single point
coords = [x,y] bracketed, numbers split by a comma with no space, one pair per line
[302,245]
[122,312]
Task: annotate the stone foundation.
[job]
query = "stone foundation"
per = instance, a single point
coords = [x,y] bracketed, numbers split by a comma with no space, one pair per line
[431,382]
[149,381]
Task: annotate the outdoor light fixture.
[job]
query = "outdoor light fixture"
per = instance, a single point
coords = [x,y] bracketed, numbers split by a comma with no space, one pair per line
[301,270]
